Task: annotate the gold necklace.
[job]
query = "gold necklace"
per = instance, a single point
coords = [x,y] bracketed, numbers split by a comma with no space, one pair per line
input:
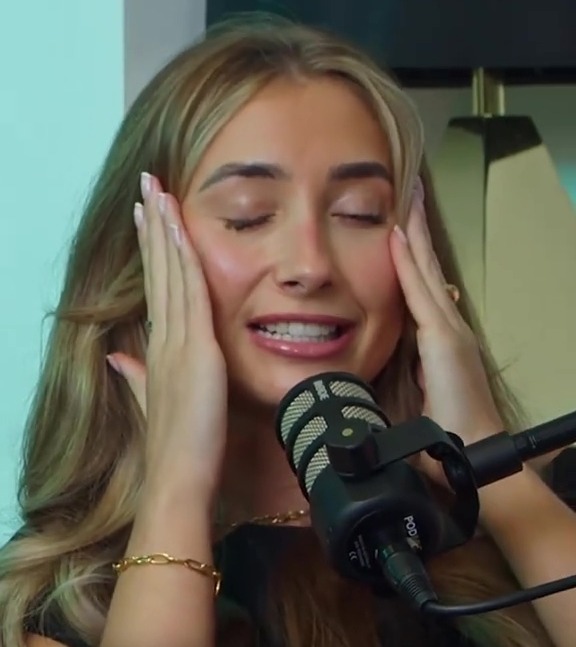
[272,519]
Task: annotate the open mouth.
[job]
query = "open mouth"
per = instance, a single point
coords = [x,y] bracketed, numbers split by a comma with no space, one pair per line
[298,332]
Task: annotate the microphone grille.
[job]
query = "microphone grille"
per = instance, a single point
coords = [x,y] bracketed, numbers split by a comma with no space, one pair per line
[310,407]
[345,389]
[317,463]
[309,432]
[363,414]
[294,411]
[305,400]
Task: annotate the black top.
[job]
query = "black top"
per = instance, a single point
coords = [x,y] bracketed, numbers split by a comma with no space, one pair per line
[246,558]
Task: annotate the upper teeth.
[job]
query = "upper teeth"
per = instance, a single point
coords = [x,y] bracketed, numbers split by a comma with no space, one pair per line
[297,329]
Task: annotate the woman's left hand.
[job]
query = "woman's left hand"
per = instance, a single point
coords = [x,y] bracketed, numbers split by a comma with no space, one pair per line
[456,391]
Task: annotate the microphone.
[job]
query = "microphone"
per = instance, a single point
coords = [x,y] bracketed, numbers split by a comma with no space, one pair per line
[375,515]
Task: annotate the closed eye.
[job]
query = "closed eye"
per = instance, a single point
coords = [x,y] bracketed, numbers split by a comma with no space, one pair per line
[364,218]
[240,224]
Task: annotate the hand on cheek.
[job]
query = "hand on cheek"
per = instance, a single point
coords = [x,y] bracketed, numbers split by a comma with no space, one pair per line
[456,390]
[182,385]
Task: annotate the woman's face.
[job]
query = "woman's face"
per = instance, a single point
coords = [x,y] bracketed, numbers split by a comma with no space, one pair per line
[290,211]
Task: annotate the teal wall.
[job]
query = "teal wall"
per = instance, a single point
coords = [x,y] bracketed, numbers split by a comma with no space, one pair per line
[62,97]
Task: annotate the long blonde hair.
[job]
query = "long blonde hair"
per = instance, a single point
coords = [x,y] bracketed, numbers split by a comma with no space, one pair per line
[83,458]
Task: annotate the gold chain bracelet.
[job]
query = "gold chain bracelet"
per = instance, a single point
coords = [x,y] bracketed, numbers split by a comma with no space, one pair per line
[163,558]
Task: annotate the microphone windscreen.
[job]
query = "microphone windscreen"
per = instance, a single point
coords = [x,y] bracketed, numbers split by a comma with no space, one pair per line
[313,405]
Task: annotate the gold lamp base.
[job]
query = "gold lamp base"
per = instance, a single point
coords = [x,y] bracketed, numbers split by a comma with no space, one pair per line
[513,229]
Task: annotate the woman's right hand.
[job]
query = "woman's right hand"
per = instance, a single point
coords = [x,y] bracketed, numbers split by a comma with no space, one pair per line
[182,390]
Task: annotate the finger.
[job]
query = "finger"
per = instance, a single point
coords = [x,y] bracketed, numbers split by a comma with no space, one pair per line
[173,232]
[141,231]
[155,257]
[134,373]
[198,304]
[425,257]
[420,302]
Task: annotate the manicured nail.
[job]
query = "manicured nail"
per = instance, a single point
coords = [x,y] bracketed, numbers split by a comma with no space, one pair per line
[163,203]
[419,189]
[139,214]
[145,184]
[114,364]
[401,235]
[176,235]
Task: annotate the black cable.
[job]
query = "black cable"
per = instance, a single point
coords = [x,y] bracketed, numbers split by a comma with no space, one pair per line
[405,572]
[508,600]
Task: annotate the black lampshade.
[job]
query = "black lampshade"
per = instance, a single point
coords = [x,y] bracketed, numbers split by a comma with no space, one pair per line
[442,40]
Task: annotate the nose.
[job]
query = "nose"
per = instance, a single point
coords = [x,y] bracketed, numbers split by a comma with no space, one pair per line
[306,260]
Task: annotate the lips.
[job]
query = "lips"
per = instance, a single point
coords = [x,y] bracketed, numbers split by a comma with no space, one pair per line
[297,335]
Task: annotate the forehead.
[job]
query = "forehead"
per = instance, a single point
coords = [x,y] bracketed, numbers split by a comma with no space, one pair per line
[320,121]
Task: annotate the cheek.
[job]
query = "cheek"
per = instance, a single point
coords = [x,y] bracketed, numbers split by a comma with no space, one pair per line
[376,282]
[229,272]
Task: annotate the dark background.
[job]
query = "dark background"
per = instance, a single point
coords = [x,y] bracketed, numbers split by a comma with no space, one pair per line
[438,42]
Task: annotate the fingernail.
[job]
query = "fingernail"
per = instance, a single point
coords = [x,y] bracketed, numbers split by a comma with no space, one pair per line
[163,203]
[114,364]
[176,235]
[401,235]
[139,214]
[419,189]
[145,184]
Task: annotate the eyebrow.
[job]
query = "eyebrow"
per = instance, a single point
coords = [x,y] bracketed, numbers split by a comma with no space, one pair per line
[261,170]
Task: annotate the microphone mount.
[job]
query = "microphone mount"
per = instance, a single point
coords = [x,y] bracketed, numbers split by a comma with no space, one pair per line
[370,485]
[376,515]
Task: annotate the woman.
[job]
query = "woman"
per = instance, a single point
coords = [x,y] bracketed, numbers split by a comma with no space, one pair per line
[255,223]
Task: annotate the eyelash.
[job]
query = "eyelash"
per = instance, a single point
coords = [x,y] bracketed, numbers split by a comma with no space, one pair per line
[241,224]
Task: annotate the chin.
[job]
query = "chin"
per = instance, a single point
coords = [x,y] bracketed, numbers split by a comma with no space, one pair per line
[269,393]
[267,390]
